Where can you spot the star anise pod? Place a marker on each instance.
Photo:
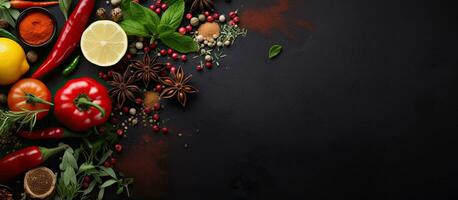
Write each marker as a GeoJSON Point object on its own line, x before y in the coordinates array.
{"type": "Point", "coordinates": [202, 5]}
{"type": "Point", "coordinates": [122, 87]}
{"type": "Point", "coordinates": [147, 69]}
{"type": "Point", "coordinates": [177, 85]}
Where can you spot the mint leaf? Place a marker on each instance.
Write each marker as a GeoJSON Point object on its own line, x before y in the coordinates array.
{"type": "Point", "coordinates": [180, 43]}
{"type": "Point", "coordinates": [174, 14]}
{"type": "Point", "coordinates": [133, 27]}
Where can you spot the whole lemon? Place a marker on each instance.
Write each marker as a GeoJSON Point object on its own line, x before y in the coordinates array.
{"type": "Point", "coordinates": [13, 63]}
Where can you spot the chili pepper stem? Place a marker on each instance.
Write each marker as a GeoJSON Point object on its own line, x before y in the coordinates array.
{"type": "Point", "coordinates": [85, 101]}
{"type": "Point", "coordinates": [48, 152]}
{"type": "Point", "coordinates": [34, 99]}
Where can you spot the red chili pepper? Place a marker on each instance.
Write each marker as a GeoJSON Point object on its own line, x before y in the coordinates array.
{"type": "Point", "coordinates": [68, 39]}
{"type": "Point", "coordinates": [48, 133]}
{"type": "Point", "coordinates": [25, 159]}
{"type": "Point", "coordinates": [19, 4]}
{"type": "Point", "coordinates": [82, 103]}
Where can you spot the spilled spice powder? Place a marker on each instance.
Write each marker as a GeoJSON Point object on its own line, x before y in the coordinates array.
{"type": "Point", "coordinates": [266, 19]}
{"type": "Point", "coordinates": [36, 28]}
{"type": "Point", "coordinates": [272, 18]}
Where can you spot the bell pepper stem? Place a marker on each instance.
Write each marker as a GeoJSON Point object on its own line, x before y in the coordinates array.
{"type": "Point", "coordinates": [87, 102]}
{"type": "Point", "coordinates": [34, 99]}
{"type": "Point", "coordinates": [48, 152]}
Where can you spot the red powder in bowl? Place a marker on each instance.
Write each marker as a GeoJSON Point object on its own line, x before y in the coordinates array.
{"type": "Point", "coordinates": [36, 28]}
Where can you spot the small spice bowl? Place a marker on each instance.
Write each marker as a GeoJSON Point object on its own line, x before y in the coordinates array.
{"type": "Point", "coordinates": [7, 193]}
{"type": "Point", "coordinates": [37, 32]}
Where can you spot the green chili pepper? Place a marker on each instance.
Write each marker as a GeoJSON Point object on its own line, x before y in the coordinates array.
{"type": "Point", "coordinates": [71, 67]}
{"type": "Point", "coordinates": [5, 33]}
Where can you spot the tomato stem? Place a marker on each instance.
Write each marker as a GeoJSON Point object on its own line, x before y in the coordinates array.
{"type": "Point", "coordinates": [31, 98]}
{"type": "Point", "coordinates": [84, 101]}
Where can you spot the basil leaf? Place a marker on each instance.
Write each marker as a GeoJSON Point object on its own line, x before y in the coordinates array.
{"type": "Point", "coordinates": [180, 43]}
{"type": "Point", "coordinates": [152, 21]}
{"type": "Point", "coordinates": [174, 14]}
{"type": "Point", "coordinates": [274, 51]}
{"type": "Point", "coordinates": [108, 183]}
{"type": "Point", "coordinates": [169, 2]}
{"type": "Point", "coordinates": [5, 33]}
{"type": "Point", "coordinates": [165, 30]}
{"type": "Point", "coordinates": [101, 193]}
{"type": "Point", "coordinates": [133, 27]}
{"type": "Point", "coordinates": [64, 6]}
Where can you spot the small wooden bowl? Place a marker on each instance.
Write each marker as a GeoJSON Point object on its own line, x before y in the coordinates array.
{"type": "Point", "coordinates": [46, 195]}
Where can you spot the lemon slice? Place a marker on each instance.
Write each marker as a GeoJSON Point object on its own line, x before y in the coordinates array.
{"type": "Point", "coordinates": [104, 43]}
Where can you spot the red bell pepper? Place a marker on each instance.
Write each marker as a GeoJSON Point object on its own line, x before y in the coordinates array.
{"type": "Point", "coordinates": [68, 39]}
{"type": "Point", "coordinates": [25, 159]}
{"type": "Point", "coordinates": [82, 103]}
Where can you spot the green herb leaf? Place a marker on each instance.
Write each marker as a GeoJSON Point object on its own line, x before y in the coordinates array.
{"type": "Point", "coordinates": [120, 190]}
{"type": "Point", "coordinates": [141, 14]}
{"type": "Point", "coordinates": [108, 172]}
{"type": "Point", "coordinates": [85, 167]}
{"type": "Point", "coordinates": [180, 43]}
{"type": "Point", "coordinates": [5, 4]}
{"type": "Point", "coordinates": [165, 30]}
{"type": "Point", "coordinates": [69, 176]}
{"type": "Point", "coordinates": [64, 6]}
{"type": "Point", "coordinates": [5, 33]}
{"type": "Point", "coordinates": [89, 188]}
{"type": "Point", "coordinates": [133, 27]}
{"type": "Point", "coordinates": [70, 159]}
{"type": "Point", "coordinates": [105, 157]}
{"type": "Point", "coordinates": [169, 2]}
{"type": "Point", "coordinates": [274, 51]}
{"type": "Point", "coordinates": [14, 13]}
{"type": "Point", "coordinates": [174, 14]}
{"type": "Point", "coordinates": [108, 183]}
{"type": "Point", "coordinates": [5, 15]}
{"type": "Point", "coordinates": [101, 193]}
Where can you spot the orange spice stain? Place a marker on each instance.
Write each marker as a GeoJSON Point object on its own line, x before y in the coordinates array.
{"type": "Point", "coordinates": [273, 18]}
{"type": "Point", "coordinates": [266, 19]}
{"type": "Point", "coordinates": [146, 162]}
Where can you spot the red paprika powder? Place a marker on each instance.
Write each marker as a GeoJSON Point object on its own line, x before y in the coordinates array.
{"type": "Point", "coordinates": [36, 28]}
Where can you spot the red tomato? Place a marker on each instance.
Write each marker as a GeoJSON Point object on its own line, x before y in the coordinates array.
{"type": "Point", "coordinates": [30, 94]}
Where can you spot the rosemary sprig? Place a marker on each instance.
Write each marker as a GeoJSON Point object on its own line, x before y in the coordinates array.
{"type": "Point", "coordinates": [9, 119]}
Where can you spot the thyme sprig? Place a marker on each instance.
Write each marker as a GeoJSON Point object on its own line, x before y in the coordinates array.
{"type": "Point", "coordinates": [231, 33]}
